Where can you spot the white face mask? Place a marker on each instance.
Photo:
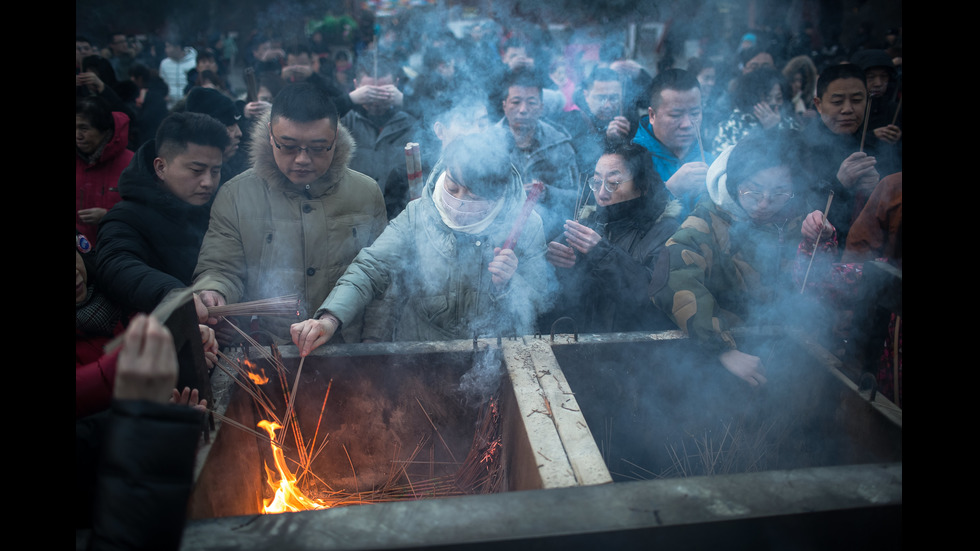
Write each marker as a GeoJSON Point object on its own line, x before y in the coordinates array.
{"type": "Point", "coordinates": [465, 212]}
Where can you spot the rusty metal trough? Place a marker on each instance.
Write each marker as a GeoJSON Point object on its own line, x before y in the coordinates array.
{"type": "Point", "coordinates": [591, 428]}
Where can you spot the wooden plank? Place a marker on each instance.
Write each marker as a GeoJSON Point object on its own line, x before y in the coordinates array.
{"type": "Point", "coordinates": [580, 447]}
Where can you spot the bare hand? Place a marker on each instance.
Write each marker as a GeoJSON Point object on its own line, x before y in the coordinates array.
{"type": "Point", "coordinates": [768, 118]}
{"type": "Point", "coordinates": [365, 95]}
{"type": "Point", "coordinates": [189, 398]}
{"type": "Point", "coordinates": [855, 167]}
{"type": "Point", "coordinates": [393, 95]}
{"type": "Point", "coordinates": [618, 128]}
{"type": "Point", "coordinates": [812, 224]}
{"type": "Point", "coordinates": [581, 238]}
{"type": "Point", "coordinates": [502, 267]}
{"type": "Point", "coordinates": [210, 343]}
{"type": "Point", "coordinates": [745, 366]}
{"type": "Point", "coordinates": [147, 364]}
{"type": "Point", "coordinates": [209, 299]}
{"type": "Point", "coordinates": [91, 216]}
{"type": "Point", "coordinates": [310, 334]}
{"type": "Point", "coordinates": [689, 178]}
{"type": "Point", "coordinates": [91, 81]}
{"type": "Point", "coordinates": [888, 134]}
{"type": "Point", "coordinates": [561, 256]}
{"type": "Point", "coordinates": [255, 109]}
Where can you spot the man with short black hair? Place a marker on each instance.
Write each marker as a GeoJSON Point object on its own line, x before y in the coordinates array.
{"type": "Point", "coordinates": [848, 160]}
{"type": "Point", "coordinates": [671, 133]}
{"type": "Point", "coordinates": [601, 119]}
{"type": "Point", "coordinates": [123, 54]}
{"type": "Point", "coordinates": [292, 222]}
{"type": "Point", "coordinates": [539, 150]}
{"type": "Point", "coordinates": [148, 242]}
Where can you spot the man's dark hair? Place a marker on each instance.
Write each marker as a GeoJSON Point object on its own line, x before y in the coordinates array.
{"type": "Point", "coordinates": [672, 79]}
{"type": "Point", "coordinates": [386, 67]}
{"type": "Point", "coordinates": [600, 74]}
{"type": "Point", "coordinates": [524, 77]}
{"type": "Point", "coordinates": [299, 47]}
{"type": "Point", "coordinates": [97, 111]}
{"type": "Point", "coordinates": [179, 129]}
{"type": "Point", "coordinates": [837, 72]}
{"type": "Point", "coordinates": [304, 102]}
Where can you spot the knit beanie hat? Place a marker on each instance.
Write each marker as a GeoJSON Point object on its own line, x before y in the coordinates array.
{"type": "Point", "coordinates": [212, 102]}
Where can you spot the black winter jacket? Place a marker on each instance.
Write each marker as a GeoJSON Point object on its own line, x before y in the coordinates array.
{"type": "Point", "coordinates": [152, 238]}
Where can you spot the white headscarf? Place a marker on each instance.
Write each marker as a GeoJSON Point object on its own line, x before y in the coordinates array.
{"type": "Point", "coordinates": [449, 214]}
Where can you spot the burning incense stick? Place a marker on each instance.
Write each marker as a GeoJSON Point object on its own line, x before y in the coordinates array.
{"type": "Point", "coordinates": [287, 305]}
{"type": "Point", "coordinates": [867, 112]}
{"type": "Point", "coordinates": [897, 109]}
{"type": "Point", "coordinates": [830, 200]}
{"type": "Point", "coordinates": [697, 131]}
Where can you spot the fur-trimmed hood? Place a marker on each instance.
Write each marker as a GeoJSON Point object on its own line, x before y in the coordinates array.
{"type": "Point", "coordinates": [264, 162]}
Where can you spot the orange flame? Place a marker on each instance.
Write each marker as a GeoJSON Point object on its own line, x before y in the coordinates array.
{"type": "Point", "coordinates": [288, 498]}
{"type": "Point", "coordinates": [259, 378]}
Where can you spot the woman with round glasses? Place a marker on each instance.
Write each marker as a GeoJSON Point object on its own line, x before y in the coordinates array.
{"type": "Point", "coordinates": [606, 261]}
{"type": "Point", "coordinates": [740, 257]}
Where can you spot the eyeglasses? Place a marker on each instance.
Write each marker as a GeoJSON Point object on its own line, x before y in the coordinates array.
{"type": "Point", "coordinates": [756, 197]}
{"type": "Point", "coordinates": [294, 150]}
{"type": "Point", "coordinates": [596, 183]}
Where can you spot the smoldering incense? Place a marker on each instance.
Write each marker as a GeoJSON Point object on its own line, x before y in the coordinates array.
{"type": "Point", "coordinates": [867, 112]}
{"type": "Point", "coordinates": [897, 110]}
{"type": "Point", "coordinates": [823, 221]}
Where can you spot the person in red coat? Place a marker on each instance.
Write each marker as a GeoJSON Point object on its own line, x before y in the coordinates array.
{"type": "Point", "coordinates": [101, 154]}
{"type": "Point", "coordinates": [97, 321]}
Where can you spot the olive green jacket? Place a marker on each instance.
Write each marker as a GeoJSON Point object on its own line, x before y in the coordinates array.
{"type": "Point", "coordinates": [268, 238]}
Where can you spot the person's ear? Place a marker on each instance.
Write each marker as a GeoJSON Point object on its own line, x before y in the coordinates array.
{"type": "Point", "coordinates": [159, 167]}
{"type": "Point", "coordinates": [439, 130]}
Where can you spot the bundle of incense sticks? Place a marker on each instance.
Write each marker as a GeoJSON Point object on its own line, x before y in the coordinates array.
{"type": "Point", "coordinates": [287, 305]}
{"type": "Point", "coordinates": [413, 165]}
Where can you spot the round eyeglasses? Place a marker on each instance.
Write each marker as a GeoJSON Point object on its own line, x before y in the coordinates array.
{"type": "Point", "coordinates": [294, 150]}
{"type": "Point", "coordinates": [756, 197]}
{"type": "Point", "coordinates": [596, 183]}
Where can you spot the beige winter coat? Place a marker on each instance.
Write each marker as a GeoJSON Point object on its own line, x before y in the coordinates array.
{"type": "Point", "coordinates": [268, 238]}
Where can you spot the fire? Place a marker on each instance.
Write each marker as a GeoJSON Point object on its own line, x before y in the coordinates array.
{"type": "Point", "coordinates": [258, 378]}
{"type": "Point", "coordinates": [288, 498]}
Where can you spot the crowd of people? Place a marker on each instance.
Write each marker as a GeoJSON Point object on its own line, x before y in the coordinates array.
{"type": "Point", "coordinates": [700, 197]}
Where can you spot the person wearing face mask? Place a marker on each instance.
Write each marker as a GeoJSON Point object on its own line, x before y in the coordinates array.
{"type": "Point", "coordinates": [441, 264]}
{"type": "Point", "coordinates": [606, 261]}
{"type": "Point", "coordinates": [741, 256]}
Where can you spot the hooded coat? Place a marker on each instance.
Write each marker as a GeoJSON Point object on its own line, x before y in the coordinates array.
{"type": "Point", "coordinates": [269, 238]}
{"type": "Point", "coordinates": [437, 280]}
{"type": "Point", "coordinates": [97, 176]}
{"type": "Point", "coordinates": [148, 242]}
{"type": "Point", "coordinates": [728, 270]}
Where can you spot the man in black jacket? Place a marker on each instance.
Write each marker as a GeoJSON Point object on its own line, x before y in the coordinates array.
{"type": "Point", "coordinates": [152, 237]}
